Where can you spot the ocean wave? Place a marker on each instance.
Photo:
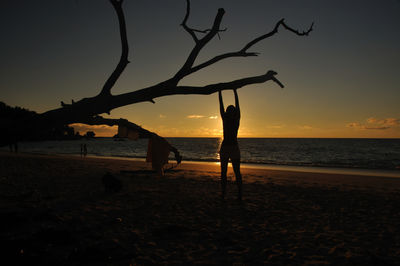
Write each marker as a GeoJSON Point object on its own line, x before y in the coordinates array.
{"type": "Point", "coordinates": [333, 153]}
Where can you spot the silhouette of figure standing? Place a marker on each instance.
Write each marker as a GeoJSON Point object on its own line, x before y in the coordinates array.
{"type": "Point", "coordinates": [230, 147]}
{"type": "Point", "coordinates": [83, 150]}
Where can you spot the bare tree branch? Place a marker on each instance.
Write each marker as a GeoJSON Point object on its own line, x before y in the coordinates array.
{"type": "Point", "coordinates": [274, 31]}
{"type": "Point", "coordinates": [236, 84]}
{"type": "Point", "coordinates": [184, 25]}
{"type": "Point", "coordinates": [161, 90]}
{"type": "Point", "coordinates": [200, 43]}
{"type": "Point", "coordinates": [243, 52]}
{"type": "Point", "coordinates": [208, 30]}
{"type": "Point", "coordinates": [87, 109]}
{"type": "Point", "coordinates": [123, 61]}
{"type": "Point", "coordinates": [192, 31]}
{"type": "Point", "coordinates": [219, 58]}
{"type": "Point", "coordinates": [188, 68]}
{"type": "Point", "coordinates": [304, 33]}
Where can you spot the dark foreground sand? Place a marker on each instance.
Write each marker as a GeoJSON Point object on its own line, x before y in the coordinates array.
{"type": "Point", "coordinates": [54, 211]}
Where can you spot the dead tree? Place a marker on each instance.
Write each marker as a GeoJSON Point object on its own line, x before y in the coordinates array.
{"type": "Point", "coordinates": [87, 110]}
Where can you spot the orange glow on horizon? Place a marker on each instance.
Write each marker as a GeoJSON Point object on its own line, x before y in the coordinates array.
{"type": "Point", "coordinates": [205, 127]}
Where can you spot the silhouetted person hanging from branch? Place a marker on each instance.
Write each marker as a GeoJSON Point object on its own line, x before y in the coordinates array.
{"type": "Point", "coordinates": [230, 147]}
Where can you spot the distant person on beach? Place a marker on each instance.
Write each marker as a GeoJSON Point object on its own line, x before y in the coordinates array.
{"type": "Point", "coordinates": [13, 144]}
{"type": "Point", "coordinates": [13, 147]}
{"type": "Point", "coordinates": [83, 150]}
{"type": "Point", "coordinates": [230, 147]}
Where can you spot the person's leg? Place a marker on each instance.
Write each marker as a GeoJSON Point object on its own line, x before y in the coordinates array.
{"type": "Point", "coordinates": [158, 168]}
{"type": "Point", "coordinates": [178, 157]}
{"type": "Point", "coordinates": [238, 175]}
{"type": "Point", "coordinates": [224, 169]}
{"type": "Point", "coordinates": [161, 171]}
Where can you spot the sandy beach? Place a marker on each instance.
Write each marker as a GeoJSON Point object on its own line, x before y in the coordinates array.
{"type": "Point", "coordinates": [55, 211]}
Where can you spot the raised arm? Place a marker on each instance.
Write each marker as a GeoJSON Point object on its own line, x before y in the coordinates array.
{"type": "Point", "coordinates": [237, 102]}
{"type": "Point", "coordinates": [221, 104]}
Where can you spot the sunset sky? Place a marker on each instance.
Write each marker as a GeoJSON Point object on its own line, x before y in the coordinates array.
{"type": "Point", "coordinates": [341, 81]}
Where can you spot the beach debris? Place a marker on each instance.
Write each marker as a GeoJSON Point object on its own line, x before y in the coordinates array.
{"type": "Point", "coordinates": [111, 183]}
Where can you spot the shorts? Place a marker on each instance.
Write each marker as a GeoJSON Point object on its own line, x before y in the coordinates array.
{"type": "Point", "coordinates": [228, 151]}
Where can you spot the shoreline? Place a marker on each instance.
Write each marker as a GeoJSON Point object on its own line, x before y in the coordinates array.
{"type": "Point", "coordinates": [306, 169]}
{"type": "Point", "coordinates": [305, 156]}
{"type": "Point", "coordinates": [260, 175]}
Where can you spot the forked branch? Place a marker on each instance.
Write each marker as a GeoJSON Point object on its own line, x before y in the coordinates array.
{"type": "Point", "coordinates": [184, 25]}
{"type": "Point", "coordinates": [243, 52]}
{"type": "Point", "coordinates": [123, 61]}
{"type": "Point", "coordinates": [200, 43]}
{"type": "Point", "coordinates": [188, 67]}
{"type": "Point", "coordinates": [192, 31]}
{"type": "Point", "coordinates": [274, 31]}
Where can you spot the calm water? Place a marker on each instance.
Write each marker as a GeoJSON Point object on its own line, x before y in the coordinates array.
{"type": "Point", "coordinates": [333, 153]}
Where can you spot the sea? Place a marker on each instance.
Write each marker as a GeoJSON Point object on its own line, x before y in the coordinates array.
{"type": "Point", "coordinates": [376, 156]}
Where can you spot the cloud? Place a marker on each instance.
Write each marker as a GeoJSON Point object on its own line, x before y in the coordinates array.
{"type": "Point", "coordinates": [391, 121]}
{"type": "Point", "coordinates": [162, 116]}
{"type": "Point", "coordinates": [354, 125]}
{"type": "Point", "coordinates": [377, 128]}
{"type": "Point", "coordinates": [306, 127]}
{"type": "Point", "coordinates": [201, 116]}
{"type": "Point", "coordinates": [375, 124]}
{"type": "Point", "coordinates": [385, 122]}
{"type": "Point", "coordinates": [371, 120]}
{"type": "Point", "coordinates": [195, 116]}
